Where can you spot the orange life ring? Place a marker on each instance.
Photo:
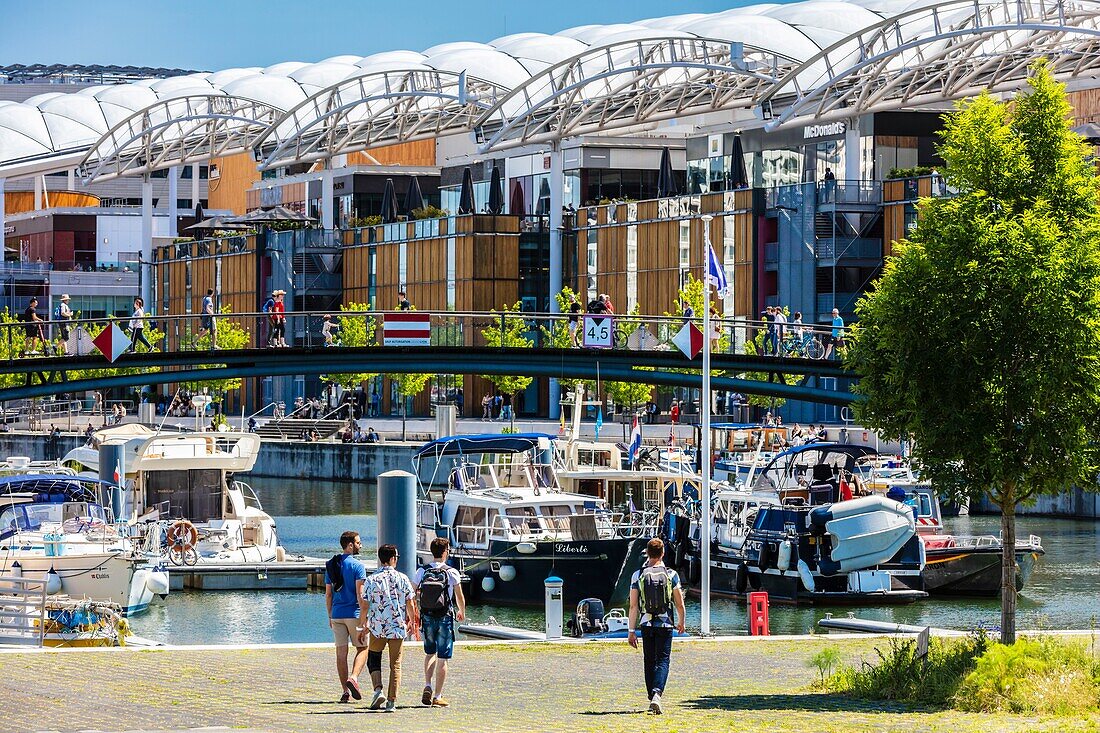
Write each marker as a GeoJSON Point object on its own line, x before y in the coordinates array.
{"type": "Point", "coordinates": [183, 535]}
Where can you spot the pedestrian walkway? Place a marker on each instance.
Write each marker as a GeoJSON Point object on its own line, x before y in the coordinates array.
{"type": "Point", "coordinates": [743, 685]}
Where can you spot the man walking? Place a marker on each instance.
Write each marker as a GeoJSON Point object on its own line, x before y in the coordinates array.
{"type": "Point", "coordinates": [403, 303]}
{"type": "Point", "coordinates": [836, 340]}
{"type": "Point", "coordinates": [391, 615]}
{"type": "Point", "coordinates": [654, 592]}
{"type": "Point", "coordinates": [344, 579]}
{"type": "Point", "coordinates": [439, 593]}
{"type": "Point", "coordinates": [63, 314]}
{"type": "Point", "coordinates": [206, 321]}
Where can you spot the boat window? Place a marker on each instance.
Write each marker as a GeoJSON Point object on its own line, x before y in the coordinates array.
{"type": "Point", "coordinates": [523, 519]}
{"type": "Point", "coordinates": [470, 524]}
{"type": "Point", "coordinates": [194, 494]}
{"type": "Point", "coordinates": [13, 519]}
{"type": "Point", "coordinates": [426, 514]}
{"type": "Point", "coordinates": [557, 517]}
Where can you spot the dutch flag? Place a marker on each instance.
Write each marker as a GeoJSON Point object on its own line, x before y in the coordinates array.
{"type": "Point", "coordinates": [635, 440]}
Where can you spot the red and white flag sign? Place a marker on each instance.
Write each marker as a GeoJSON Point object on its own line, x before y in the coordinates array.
{"type": "Point", "coordinates": [112, 342]}
{"type": "Point", "coordinates": [407, 329]}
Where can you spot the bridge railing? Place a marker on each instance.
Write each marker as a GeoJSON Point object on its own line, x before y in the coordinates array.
{"type": "Point", "coordinates": [618, 332]}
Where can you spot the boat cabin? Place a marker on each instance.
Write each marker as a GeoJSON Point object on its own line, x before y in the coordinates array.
{"type": "Point", "coordinates": [811, 473]}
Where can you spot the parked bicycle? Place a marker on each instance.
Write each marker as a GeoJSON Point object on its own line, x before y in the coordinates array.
{"type": "Point", "coordinates": [802, 347]}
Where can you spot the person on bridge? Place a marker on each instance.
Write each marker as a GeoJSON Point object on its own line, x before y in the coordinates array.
{"type": "Point", "coordinates": [33, 329]}
{"type": "Point", "coordinates": [63, 314]}
{"type": "Point", "coordinates": [327, 327]}
{"type": "Point", "coordinates": [771, 339]}
{"type": "Point", "coordinates": [596, 306]}
{"type": "Point", "coordinates": [574, 319]}
{"type": "Point", "coordinates": [268, 307]}
{"type": "Point", "coordinates": [836, 336]}
{"type": "Point", "coordinates": [403, 303]}
{"type": "Point", "coordinates": [137, 326]}
{"type": "Point", "coordinates": [278, 319]}
{"type": "Point", "coordinates": [206, 321]}
{"type": "Point", "coordinates": [607, 304]}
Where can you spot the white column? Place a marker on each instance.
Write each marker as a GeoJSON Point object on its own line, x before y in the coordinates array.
{"type": "Point", "coordinates": [173, 198]}
{"type": "Point", "coordinates": [851, 150]}
{"type": "Point", "coordinates": [147, 237]}
{"type": "Point", "coordinates": [38, 193]}
{"type": "Point", "coordinates": [326, 197]}
{"type": "Point", "coordinates": [704, 443]}
{"type": "Point", "coordinates": [195, 185]}
{"type": "Point", "coordinates": [70, 181]}
{"type": "Point", "coordinates": [557, 186]}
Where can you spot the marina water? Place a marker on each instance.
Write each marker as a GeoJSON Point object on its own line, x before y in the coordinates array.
{"type": "Point", "coordinates": [1061, 595]}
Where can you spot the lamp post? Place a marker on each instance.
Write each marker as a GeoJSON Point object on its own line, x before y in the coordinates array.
{"type": "Point", "coordinates": [704, 441]}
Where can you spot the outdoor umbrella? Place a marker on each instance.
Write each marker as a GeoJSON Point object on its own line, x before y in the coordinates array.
{"type": "Point", "coordinates": [1090, 131]}
{"type": "Point", "coordinates": [739, 177]}
{"type": "Point", "coordinates": [666, 177]}
{"type": "Point", "coordinates": [389, 203]}
{"type": "Point", "coordinates": [198, 212]}
{"type": "Point", "coordinates": [496, 193]}
{"type": "Point", "coordinates": [413, 198]}
{"type": "Point", "coordinates": [267, 216]}
{"type": "Point", "coordinates": [542, 208]}
{"type": "Point", "coordinates": [466, 203]}
{"type": "Point", "coordinates": [517, 206]}
{"type": "Point", "coordinates": [217, 222]}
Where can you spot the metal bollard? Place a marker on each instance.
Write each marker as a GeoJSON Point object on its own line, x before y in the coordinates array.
{"type": "Point", "coordinates": [397, 517]}
{"type": "Point", "coordinates": [553, 586]}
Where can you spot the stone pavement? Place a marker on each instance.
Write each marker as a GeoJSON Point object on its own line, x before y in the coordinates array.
{"type": "Point", "coordinates": [754, 685]}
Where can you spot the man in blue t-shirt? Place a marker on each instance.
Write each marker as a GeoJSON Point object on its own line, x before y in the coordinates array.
{"type": "Point", "coordinates": [656, 600]}
{"type": "Point", "coordinates": [344, 578]}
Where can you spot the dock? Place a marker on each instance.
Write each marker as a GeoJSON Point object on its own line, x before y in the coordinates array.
{"type": "Point", "coordinates": [288, 575]}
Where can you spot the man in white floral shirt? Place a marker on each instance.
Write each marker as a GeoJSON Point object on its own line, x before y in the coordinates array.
{"type": "Point", "coordinates": [391, 615]}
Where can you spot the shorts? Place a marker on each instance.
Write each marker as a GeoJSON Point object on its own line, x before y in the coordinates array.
{"type": "Point", "coordinates": [343, 631]}
{"type": "Point", "coordinates": [439, 635]}
{"type": "Point", "coordinates": [207, 322]}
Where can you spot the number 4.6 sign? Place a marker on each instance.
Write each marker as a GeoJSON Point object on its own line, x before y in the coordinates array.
{"type": "Point", "coordinates": [598, 332]}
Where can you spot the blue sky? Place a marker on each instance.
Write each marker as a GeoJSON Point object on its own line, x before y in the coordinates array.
{"type": "Point", "coordinates": [218, 34]}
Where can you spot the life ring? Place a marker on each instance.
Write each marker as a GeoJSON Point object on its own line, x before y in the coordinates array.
{"type": "Point", "coordinates": [182, 535]}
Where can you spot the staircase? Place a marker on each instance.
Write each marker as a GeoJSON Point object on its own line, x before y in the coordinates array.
{"type": "Point", "coordinates": [292, 428]}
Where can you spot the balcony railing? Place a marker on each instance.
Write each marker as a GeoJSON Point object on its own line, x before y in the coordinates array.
{"type": "Point", "coordinates": [849, 192]}
{"type": "Point", "coordinates": [861, 248]}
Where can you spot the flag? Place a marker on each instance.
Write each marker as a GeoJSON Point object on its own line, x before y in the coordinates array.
{"type": "Point", "coordinates": [635, 440]}
{"type": "Point", "coordinates": [599, 422]}
{"type": "Point", "coordinates": [716, 276]}
{"type": "Point", "coordinates": [561, 423]}
{"type": "Point", "coordinates": [118, 473]}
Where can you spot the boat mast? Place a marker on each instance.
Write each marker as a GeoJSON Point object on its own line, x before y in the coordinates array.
{"type": "Point", "coordinates": [704, 442]}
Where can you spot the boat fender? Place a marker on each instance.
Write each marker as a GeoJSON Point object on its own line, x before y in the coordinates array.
{"type": "Point", "coordinates": [488, 584]}
{"type": "Point", "coordinates": [53, 582]}
{"type": "Point", "coordinates": [507, 573]}
{"type": "Point", "coordinates": [157, 583]}
{"type": "Point", "coordinates": [828, 566]}
{"type": "Point", "coordinates": [783, 561]}
{"type": "Point", "coordinates": [754, 579]}
{"type": "Point", "coordinates": [765, 558]}
{"type": "Point", "coordinates": [817, 519]}
{"type": "Point", "coordinates": [806, 576]}
{"type": "Point", "coordinates": [695, 569]}
{"type": "Point", "coordinates": [280, 554]}
{"type": "Point", "coordinates": [741, 578]}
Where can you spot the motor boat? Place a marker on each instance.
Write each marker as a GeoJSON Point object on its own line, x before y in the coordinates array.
{"type": "Point", "coordinates": [742, 448]}
{"type": "Point", "coordinates": [61, 528]}
{"type": "Point", "coordinates": [511, 525]}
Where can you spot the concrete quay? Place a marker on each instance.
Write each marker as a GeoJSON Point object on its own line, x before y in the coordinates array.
{"type": "Point", "coordinates": [733, 684]}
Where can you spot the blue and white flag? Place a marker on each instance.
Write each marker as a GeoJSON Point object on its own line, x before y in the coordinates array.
{"type": "Point", "coordinates": [635, 440]}
{"type": "Point", "coordinates": [599, 422]}
{"type": "Point", "coordinates": [716, 275]}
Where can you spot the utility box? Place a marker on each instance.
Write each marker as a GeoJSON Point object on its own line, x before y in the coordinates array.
{"type": "Point", "coordinates": [554, 607]}
{"type": "Point", "coordinates": [445, 420]}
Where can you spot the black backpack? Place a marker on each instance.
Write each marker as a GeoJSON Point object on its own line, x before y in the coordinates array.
{"type": "Point", "coordinates": [655, 590]}
{"type": "Point", "coordinates": [435, 591]}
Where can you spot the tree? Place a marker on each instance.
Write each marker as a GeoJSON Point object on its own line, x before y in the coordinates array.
{"type": "Point", "coordinates": [355, 330]}
{"type": "Point", "coordinates": [231, 335]}
{"type": "Point", "coordinates": [508, 332]}
{"type": "Point", "coordinates": [408, 385]}
{"type": "Point", "coordinates": [981, 340]}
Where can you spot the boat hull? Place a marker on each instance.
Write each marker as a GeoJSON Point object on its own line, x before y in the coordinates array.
{"type": "Point", "coordinates": [974, 572]}
{"type": "Point", "coordinates": [589, 569]}
{"type": "Point", "coordinates": [111, 577]}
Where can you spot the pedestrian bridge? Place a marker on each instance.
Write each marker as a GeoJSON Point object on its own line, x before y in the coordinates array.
{"type": "Point", "coordinates": [464, 343]}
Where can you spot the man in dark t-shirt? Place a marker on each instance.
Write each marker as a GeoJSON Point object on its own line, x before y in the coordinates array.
{"type": "Point", "coordinates": [33, 329]}
{"type": "Point", "coordinates": [574, 318]}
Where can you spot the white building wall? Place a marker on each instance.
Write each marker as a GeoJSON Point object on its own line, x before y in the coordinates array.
{"type": "Point", "coordinates": [118, 238]}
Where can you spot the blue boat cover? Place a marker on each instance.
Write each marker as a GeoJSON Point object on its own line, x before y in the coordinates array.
{"type": "Point", "coordinates": [488, 443]}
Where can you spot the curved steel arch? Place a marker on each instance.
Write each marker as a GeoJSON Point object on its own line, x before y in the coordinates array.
{"type": "Point", "coordinates": [339, 119]}
{"type": "Point", "coordinates": [710, 75]}
{"type": "Point", "coordinates": [178, 131]}
{"type": "Point", "coordinates": [974, 45]}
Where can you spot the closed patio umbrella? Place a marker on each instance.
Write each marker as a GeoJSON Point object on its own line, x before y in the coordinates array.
{"type": "Point", "coordinates": [542, 206]}
{"type": "Point", "coordinates": [414, 199]}
{"type": "Point", "coordinates": [496, 193]}
{"type": "Point", "coordinates": [466, 203]}
{"type": "Point", "coordinates": [266, 216]}
{"type": "Point", "coordinates": [666, 177]}
{"type": "Point", "coordinates": [517, 206]}
{"type": "Point", "coordinates": [739, 177]}
{"type": "Point", "coordinates": [389, 203]}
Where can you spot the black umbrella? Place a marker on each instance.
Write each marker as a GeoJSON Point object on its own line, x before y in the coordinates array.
{"type": "Point", "coordinates": [389, 203]}
{"type": "Point", "coordinates": [666, 177]}
{"type": "Point", "coordinates": [1090, 131]}
{"type": "Point", "coordinates": [466, 203]}
{"type": "Point", "coordinates": [198, 211]}
{"type": "Point", "coordinates": [542, 207]}
{"type": "Point", "coordinates": [517, 206]}
{"type": "Point", "coordinates": [413, 198]}
{"type": "Point", "coordinates": [217, 222]}
{"type": "Point", "coordinates": [739, 177]}
{"type": "Point", "coordinates": [496, 193]}
{"type": "Point", "coordinates": [266, 216]}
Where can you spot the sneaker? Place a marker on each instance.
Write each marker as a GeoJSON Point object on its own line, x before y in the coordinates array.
{"type": "Point", "coordinates": [391, 707]}
{"type": "Point", "coordinates": [353, 687]}
{"type": "Point", "coordinates": [345, 698]}
{"type": "Point", "coordinates": [439, 702]}
{"type": "Point", "coordinates": [378, 700]}
{"type": "Point", "coordinates": [426, 698]}
{"type": "Point", "coordinates": [655, 704]}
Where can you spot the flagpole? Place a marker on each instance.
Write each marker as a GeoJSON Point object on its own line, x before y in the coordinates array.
{"type": "Point", "coordinates": [704, 442]}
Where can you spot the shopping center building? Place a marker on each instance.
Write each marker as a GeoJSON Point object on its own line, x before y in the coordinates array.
{"type": "Point", "coordinates": [806, 130]}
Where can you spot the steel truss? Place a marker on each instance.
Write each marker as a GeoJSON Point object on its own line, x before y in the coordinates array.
{"type": "Point", "coordinates": [939, 53]}
{"type": "Point", "coordinates": [377, 108]}
{"type": "Point", "coordinates": [628, 83]}
{"type": "Point", "coordinates": [189, 129]}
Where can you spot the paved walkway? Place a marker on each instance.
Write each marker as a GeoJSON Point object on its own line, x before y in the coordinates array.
{"type": "Point", "coordinates": [751, 685]}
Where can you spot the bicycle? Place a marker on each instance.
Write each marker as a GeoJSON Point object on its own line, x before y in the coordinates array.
{"type": "Point", "coordinates": [796, 346]}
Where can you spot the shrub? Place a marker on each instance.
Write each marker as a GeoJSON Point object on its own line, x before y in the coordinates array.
{"type": "Point", "coordinates": [920, 170]}
{"type": "Point", "coordinates": [358, 222]}
{"type": "Point", "coordinates": [428, 212]}
{"type": "Point", "coordinates": [824, 662]}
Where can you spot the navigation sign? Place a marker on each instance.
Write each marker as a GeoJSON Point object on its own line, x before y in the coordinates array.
{"type": "Point", "coordinates": [407, 328]}
{"type": "Point", "coordinates": [689, 340]}
{"type": "Point", "coordinates": [112, 342]}
{"type": "Point", "coordinates": [598, 332]}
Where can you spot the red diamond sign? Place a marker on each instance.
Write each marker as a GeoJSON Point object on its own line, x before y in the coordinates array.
{"type": "Point", "coordinates": [112, 342]}
{"type": "Point", "coordinates": [689, 340]}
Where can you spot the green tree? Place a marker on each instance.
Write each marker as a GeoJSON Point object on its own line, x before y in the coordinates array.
{"type": "Point", "coordinates": [355, 330]}
{"type": "Point", "coordinates": [981, 340]}
{"type": "Point", "coordinates": [230, 335]}
{"type": "Point", "coordinates": [508, 331]}
{"type": "Point", "coordinates": [408, 385]}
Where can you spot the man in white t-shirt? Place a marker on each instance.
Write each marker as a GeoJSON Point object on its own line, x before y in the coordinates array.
{"type": "Point", "coordinates": [439, 593]}
{"type": "Point", "coordinates": [656, 600]}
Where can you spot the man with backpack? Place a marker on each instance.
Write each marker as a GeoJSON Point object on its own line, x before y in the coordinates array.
{"type": "Point", "coordinates": [345, 576]}
{"type": "Point", "coordinates": [439, 593]}
{"type": "Point", "coordinates": [656, 601]}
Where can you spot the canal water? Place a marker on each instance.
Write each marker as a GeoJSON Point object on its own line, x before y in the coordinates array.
{"type": "Point", "coordinates": [311, 515]}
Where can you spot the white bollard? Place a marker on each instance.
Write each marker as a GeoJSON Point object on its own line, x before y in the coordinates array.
{"type": "Point", "coordinates": [553, 607]}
